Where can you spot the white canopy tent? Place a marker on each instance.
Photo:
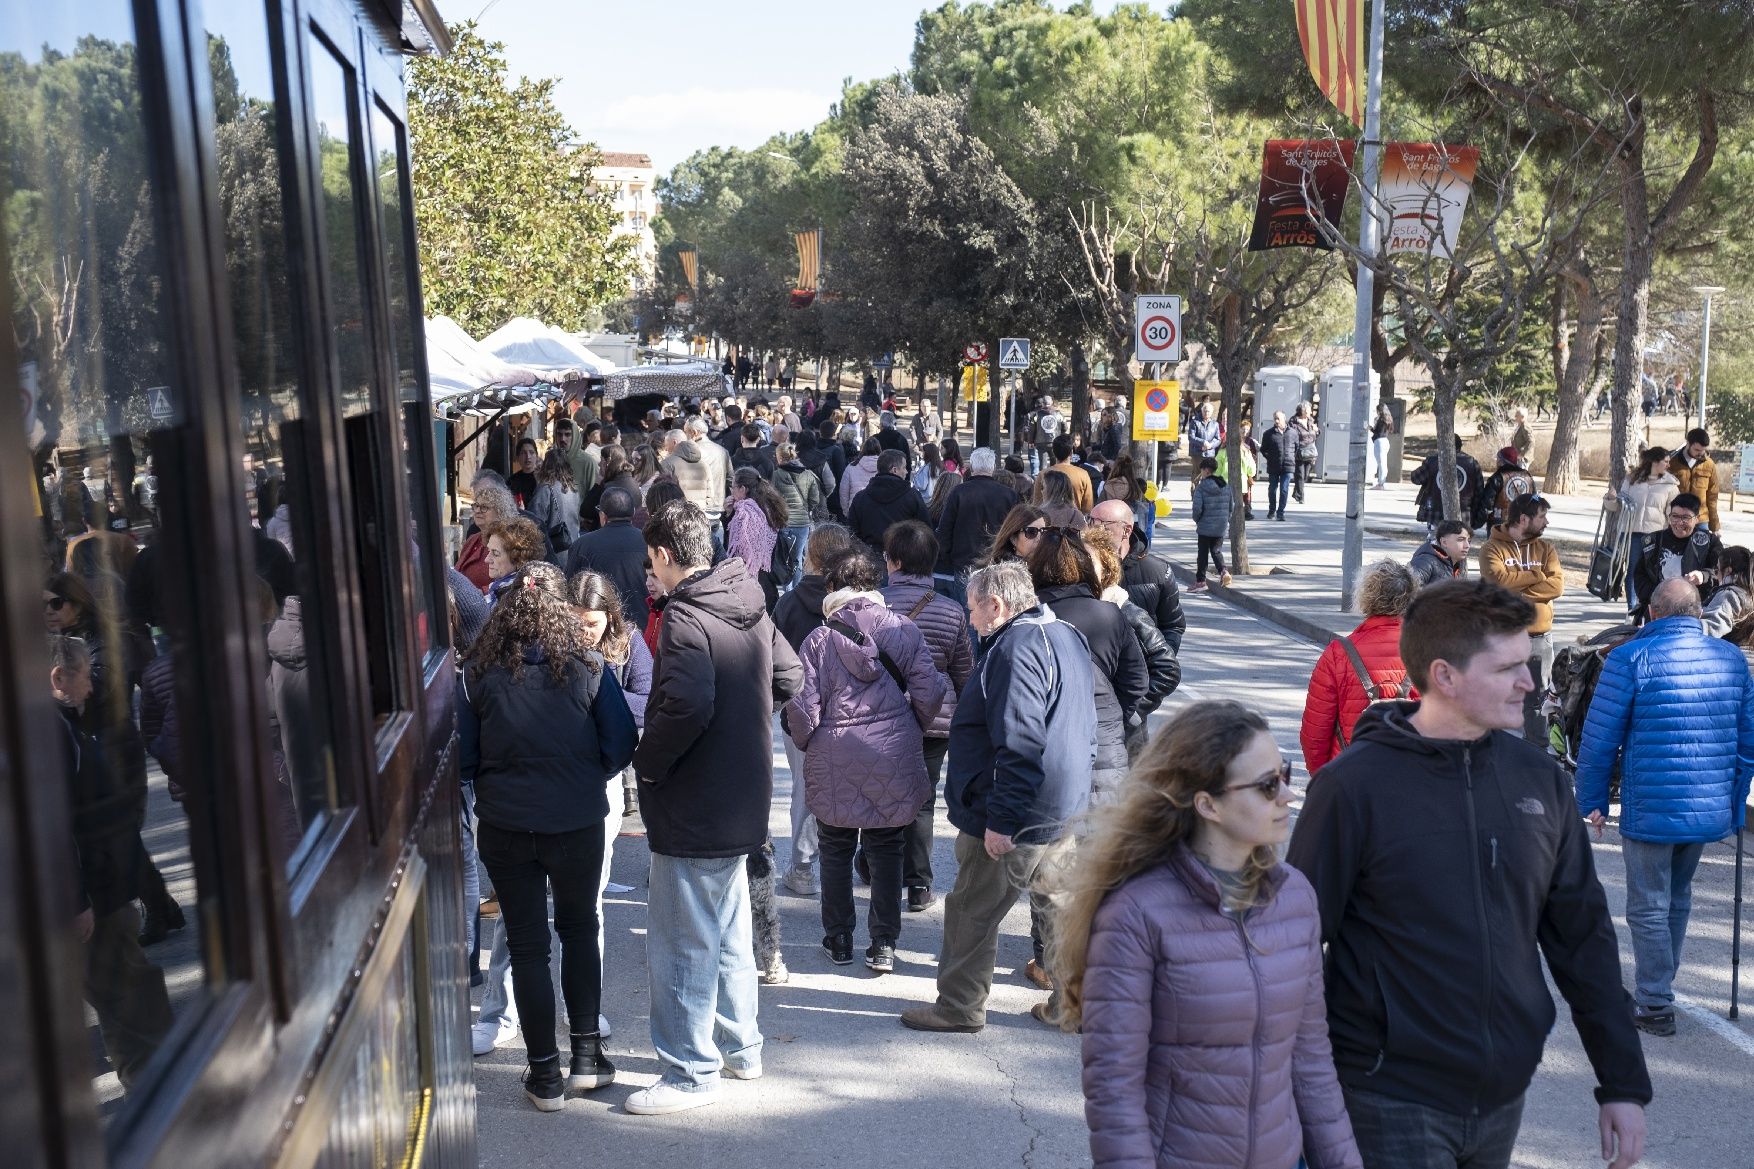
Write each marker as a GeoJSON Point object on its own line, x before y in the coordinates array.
{"type": "Point", "coordinates": [463, 374]}
{"type": "Point", "coordinates": [528, 342]}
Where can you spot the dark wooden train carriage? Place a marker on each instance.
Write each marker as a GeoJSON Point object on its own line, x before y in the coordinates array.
{"type": "Point", "coordinates": [229, 874]}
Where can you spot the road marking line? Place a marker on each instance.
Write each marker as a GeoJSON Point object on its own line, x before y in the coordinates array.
{"type": "Point", "coordinates": [1717, 1023]}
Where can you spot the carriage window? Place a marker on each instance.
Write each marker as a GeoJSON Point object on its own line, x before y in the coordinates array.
{"type": "Point", "coordinates": [106, 425]}
{"type": "Point", "coordinates": [281, 499]}
{"type": "Point", "coordinates": [389, 148]}
{"type": "Point", "coordinates": [363, 430]}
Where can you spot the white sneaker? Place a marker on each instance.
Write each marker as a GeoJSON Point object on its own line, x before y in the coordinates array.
{"type": "Point", "coordinates": [661, 1099]}
{"type": "Point", "coordinates": [485, 1037]}
{"type": "Point", "coordinates": [603, 1026]}
{"type": "Point", "coordinates": [800, 879]}
{"type": "Point", "coordinates": [752, 1072]}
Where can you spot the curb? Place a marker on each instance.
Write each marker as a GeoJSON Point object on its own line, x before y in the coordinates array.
{"type": "Point", "coordinates": [1293, 623]}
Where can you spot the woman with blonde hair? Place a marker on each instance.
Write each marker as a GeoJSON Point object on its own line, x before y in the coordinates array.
{"type": "Point", "coordinates": [1191, 959]}
{"type": "Point", "coordinates": [1360, 668]}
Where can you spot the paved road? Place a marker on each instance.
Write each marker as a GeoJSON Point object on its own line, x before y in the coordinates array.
{"type": "Point", "coordinates": [846, 1083]}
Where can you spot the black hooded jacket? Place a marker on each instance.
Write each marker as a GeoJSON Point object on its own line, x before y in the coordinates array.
{"type": "Point", "coordinates": [887, 500]}
{"type": "Point", "coordinates": [706, 758]}
{"type": "Point", "coordinates": [1445, 871]}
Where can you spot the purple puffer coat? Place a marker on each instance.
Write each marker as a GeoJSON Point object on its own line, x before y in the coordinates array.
{"type": "Point", "coordinates": [945, 626]}
{"type": "Point", "coordinates": [864, 761]}
{"type": "Point", "coordinates": [1201, 1051]}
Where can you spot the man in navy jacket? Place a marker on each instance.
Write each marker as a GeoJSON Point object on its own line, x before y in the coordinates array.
{"type": "Point", "coordinates": [1685, 762]}
{"type": "Point", "coordinates": [1021, 749]}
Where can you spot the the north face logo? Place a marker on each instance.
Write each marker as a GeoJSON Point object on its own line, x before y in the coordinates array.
{"type": "Point", "coordinates": [1531, 805]}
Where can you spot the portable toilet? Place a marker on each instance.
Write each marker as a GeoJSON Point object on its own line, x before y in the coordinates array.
{"type": "Point", "coordinates": [1280, 387]}
{"type": "Point", "coordinates": [1333, 451]}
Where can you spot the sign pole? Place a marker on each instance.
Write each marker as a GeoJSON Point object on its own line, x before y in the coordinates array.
{"type": "Point", "coordinates": [1352, 553]}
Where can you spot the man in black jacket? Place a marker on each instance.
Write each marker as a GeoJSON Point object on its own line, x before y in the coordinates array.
{"type": "Point", "coordinates": [972, 515]}
{"type": "Point", "coordinates": [1685, 549]}
{"type": "Point", "coordinates": [706, 763]}
{"type": "Point", "coordinates": [616, 550]}
{"type": "Point", "coordinates": [1279, 452]}
{"type": "Point", "coordinates": [888, 499]}
{"type": "Point", "coordinates": [1444, 852]}
{"type": "Point", "coordinates": [125, 989]}
{"type": "Point", "coordinates": [1145, 577]}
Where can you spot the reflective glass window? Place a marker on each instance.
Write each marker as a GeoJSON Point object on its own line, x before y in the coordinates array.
{"type": "Point", "coordinates": [105, 424]}
{"type": "Point", "coordinates": [390, 149]}
{"type": "Point", "coordinates": [364, 432]}
{"type": "Point", "coordinates": [277, 437]}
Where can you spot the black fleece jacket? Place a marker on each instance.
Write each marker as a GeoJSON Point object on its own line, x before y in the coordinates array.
{"type": "Point", "coordinates": [1445, 870]}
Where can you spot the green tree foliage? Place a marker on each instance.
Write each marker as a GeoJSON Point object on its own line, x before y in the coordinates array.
{"type": "Point", "coordinates": [509, 222]}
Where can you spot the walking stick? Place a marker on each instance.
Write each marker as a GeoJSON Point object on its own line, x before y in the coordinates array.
{"type": "Point", "coordinates": [1736, 930]}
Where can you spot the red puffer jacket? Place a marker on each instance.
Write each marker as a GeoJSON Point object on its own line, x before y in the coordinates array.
{"type": "Point", "coordinates": [1337, 697]}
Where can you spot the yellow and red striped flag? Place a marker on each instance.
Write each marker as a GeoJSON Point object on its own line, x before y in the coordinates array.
{"type": "Point", "coordinates": [1332, 32]}
{"type": "Point", "coordinates": [809, 259]}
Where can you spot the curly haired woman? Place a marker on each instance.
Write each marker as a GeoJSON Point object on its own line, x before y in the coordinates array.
{"type": "Point", "coordinates": [1192, 960]}
{"type": "Point", "coordinates": [542, 727]}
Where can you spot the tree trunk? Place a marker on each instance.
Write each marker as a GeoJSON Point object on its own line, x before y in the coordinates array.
{"type": "Point", "coordinates": [1560, 330]}
{"type": "Point", "coordinates": [1575, 383]}
{"type": "Point", "coordinates": [1080, 392]}
{"type": "Point", "coordinates": [1632, 312]}
{"type": "Point", "coordinates": [1445, 389]}
{"type": "Point", "coordinates": [1230, 380]}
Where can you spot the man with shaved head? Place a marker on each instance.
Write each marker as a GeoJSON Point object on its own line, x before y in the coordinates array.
{"type": "Point", "coordinates": [1145, 577]}
{"type": "Point", "coordinates": [1685, 761]}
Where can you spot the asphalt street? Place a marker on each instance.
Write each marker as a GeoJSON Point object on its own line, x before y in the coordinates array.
{"type": "Point", "coordinates": [846, 1083]}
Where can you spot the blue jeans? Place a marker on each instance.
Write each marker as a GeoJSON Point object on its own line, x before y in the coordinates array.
{"type": "Point", "coordinates": [1278, 490]}
{"type": "Point", "coordinates": [1659, 897]}
{"type": "Point", "coordinates": [471, 880]}
{"type": "Point", "coordinates": [702, 967]}
{"type": "Point", "coordinates": [800, 537]}
{"type": "Point", "coordinates": [1397, 1134]}
{"type": "Point", "coordinates": [947, 585]}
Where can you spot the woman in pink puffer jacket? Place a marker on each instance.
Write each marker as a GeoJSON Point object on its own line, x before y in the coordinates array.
{"type": "Point", "coordinates": [1192, 960]}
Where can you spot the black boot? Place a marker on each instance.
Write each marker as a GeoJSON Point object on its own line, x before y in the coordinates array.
{"type": "Point", "coordinates": [590, 1067]}
{"type": "Point", "coordinates": [545, 1086]}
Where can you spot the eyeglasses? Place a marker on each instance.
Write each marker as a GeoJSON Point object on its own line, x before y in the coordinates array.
{"type": "Point", "coordinates": [1267, 785]}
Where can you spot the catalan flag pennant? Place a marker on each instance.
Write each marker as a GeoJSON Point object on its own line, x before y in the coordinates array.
{"type": "Point", "coordinates": [1332, 32]}
{"type": "Point", "coordinates": [809, 259]}
{"type": "Point", "coordinates": [690, 258]}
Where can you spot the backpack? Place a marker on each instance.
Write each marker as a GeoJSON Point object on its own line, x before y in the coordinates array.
{"type": "Point", "coordinates": [1379, 694]}
{"type": "Point", "coordinates": [784, 564]}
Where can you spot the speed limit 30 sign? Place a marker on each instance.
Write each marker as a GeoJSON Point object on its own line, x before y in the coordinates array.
{"type": "Point", "coordinates": [1157, 328]}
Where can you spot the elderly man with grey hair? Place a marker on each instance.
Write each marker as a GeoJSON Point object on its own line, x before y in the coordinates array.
{"type": "Point", "coordinates": [1675, 709]}
{"type": "Point", "coordinates": [972, 515]}
{"type": "Point", "coordinates": [1022, 744]}
{"type": "Point", "coordinates": [703, 470]}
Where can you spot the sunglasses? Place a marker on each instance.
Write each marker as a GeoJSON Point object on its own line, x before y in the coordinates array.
{"type": "Point", "coordinates": [56, 603]}
{"type": "Point", "coordinates": [1033, 531]}
{"type": "Point", "coordinates": [1267, 785]}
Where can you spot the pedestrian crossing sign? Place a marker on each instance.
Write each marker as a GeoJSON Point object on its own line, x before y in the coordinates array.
{"type": "Point", "coordinates": [1014, 353]}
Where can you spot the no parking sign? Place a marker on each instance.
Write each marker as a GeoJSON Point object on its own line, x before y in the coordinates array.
{"type": "Point", "coordinates": [1157, 411]}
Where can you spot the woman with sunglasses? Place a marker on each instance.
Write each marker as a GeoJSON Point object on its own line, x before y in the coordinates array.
{"type": "Point", "coordinates": [1018, 535]}
{"type": "Point", "coordinates": [1191, 959]}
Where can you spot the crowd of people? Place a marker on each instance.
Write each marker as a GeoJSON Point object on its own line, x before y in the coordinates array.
{"type": "Point", "coordinates": [1009, 635]}
{"type": "Point", "coordinates": [662, 591]}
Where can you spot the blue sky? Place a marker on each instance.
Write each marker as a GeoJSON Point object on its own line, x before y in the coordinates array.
{"type": "Point", "coordinates": [671, 77]}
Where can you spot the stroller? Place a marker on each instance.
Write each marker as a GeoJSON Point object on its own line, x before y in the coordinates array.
{"type": "Point", "coordinates": [1576, 669]}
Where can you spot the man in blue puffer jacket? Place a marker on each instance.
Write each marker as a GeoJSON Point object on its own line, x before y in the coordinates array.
{"type": "Point", "coordinates": [1677, 709]}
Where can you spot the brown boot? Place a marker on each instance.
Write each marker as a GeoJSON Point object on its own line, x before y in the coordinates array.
{"type": "Point", "coordinates": [933, 1019]}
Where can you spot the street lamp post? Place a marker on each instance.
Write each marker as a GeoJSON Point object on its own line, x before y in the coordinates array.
{"type": "Point", "coordinates": [1707, 291]}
